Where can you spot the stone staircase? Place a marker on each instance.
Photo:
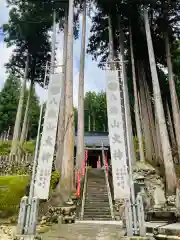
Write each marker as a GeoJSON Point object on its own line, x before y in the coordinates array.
{"type": "Point", "coordinates": [96, 200]}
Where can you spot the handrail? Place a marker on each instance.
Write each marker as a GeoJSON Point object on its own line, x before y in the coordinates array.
{"type": "Point", "coordinates": [84, 193]}
{"type": "Point", "coordinates": [108, 187]}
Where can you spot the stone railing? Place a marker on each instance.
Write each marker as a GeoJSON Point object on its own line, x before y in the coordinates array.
{"type": "Point", "coordinates": [16, 164]}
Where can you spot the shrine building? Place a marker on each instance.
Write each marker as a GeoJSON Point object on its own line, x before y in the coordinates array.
{"type": "Point", "coordinates": [94, 143]}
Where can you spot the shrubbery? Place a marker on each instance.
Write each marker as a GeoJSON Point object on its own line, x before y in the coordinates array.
{"type": "Point", "coordinates": [12, 189]}
{"type": "Point", "coordinates": [5, 147]}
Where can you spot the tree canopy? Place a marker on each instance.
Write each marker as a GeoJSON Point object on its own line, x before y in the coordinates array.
{"type": "Point", "coordinates": [9, 98]}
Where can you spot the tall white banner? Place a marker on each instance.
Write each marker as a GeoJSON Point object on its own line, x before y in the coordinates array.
{"type": "Point", "coordinates": [117, 136]}
{"type": "Point", "coordinates": [48, 140]}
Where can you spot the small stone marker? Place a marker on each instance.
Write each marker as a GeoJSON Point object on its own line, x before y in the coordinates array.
{"type": "Point", "coordinates": [159, 198]}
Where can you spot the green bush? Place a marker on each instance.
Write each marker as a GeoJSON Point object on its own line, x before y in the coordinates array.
{"type": "Point", "coordinates": [5, 148]}
{"type": "Point", "coordinates": [29, 147]}
{"type": "Point", "coordinates": [12, 189]}
{"type": "Point", "coordinates": [54, 179]}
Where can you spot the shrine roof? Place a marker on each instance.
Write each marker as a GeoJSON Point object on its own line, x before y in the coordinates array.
{"type": "Point", "coordinates": [95, 139]}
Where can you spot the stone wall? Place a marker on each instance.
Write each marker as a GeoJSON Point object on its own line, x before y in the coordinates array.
{"type": "Point", "coordinates": [16, 164]}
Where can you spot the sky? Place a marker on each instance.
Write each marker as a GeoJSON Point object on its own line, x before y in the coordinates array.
{"type": "Point", "coordinates": [94, 77]}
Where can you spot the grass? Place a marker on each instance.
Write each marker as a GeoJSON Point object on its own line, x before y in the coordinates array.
{"type": "Point", "coordinates": [12, 189]}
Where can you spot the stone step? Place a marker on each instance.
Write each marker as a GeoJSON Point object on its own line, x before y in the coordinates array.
{"type": "Point", "coordinates": [96, 201]}
{"type": "Point", "coordinates": [89, 213]}
{"type": "Point", "coordinates": [99, 199]}
{"type": "Point", "coordinates": [97, 185]}
{"type": "Point", "coordinates": [95, 207]}
{"type": "Point", "coordinates": [97, 218]}
{"type": "Point", "coordinates": [96, 190]}
{"type": "Point", "coordinates": [93, 198]}
{"type": "Point", "coordinates": [98, 194]}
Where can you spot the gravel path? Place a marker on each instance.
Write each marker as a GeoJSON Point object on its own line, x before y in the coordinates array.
{"type": "Point", "coordinates": [84, 231]}
{"type": "Point", "coordinates": [7, 232]}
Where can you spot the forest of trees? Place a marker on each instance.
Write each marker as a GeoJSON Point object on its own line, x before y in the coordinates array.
{"type": "Point", "coordinates": [95, 110]}
{"type": "Point", "coordinates": [144, 35]}
{"type": "Point", "coordinates": [9, 98]}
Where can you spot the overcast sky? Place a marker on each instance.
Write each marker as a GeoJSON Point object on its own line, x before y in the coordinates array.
{"type": "Point", "coordinates": [94, 77]}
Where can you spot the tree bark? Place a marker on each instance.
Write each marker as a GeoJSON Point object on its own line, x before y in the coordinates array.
{"type": "Point", "coordinates": [171, 130]}
{"type": "Point", "coordinates": [145, 124]}
{"type": "Point", "coordinates": [89, 122]}
{"type": "Point", "coordinates": [68, 156]}
{"type": "Point", "coordinates": [136, 105]}
{"type": "Point", "coordinates": [61, 120]}
{"type": "Point", "coordinates": [174, 103]}
{"type": "Point", "coordinates": [151, 117]}
{"type": "Point", "coordinates": [26, 115]}
{"type": "Point", "coordinates": [17, 126]}
{"type": "Point", "coordinates": [167, 154]}
{"type": "Point", "coordinates": [111, 41]}
{"type": "Point", "coordinates": [127, 105]}
{"type": "Point", "coordinates": [159, 145]}
{"type": "Point", "coordinates": [80, 130]}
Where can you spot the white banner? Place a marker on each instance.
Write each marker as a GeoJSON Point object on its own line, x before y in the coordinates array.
{"type": "Point", "coordinates": [48, 140]}
{"type": "Point", "coordinates": [116, 136]}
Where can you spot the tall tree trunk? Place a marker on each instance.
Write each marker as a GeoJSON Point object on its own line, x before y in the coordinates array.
{"type": "Point", "coordinates": [159, 145]}
{"type": "Point", "coordinates": [61, 120]}
{"type": "Point", "coordinates": [89, 122]}
{"type": "Point", "coordinates": [53, 47]}
{"type": "Point", "coordinates": [17, 126]}
{"type": "Point", "coordinates": [171, 129]}
{"type": "Point", "coordinates": [167, 154]}
{"type": "Point", "coordinates": [174, 103]}
{"type": "Point", "coordinates": [136, 105]}
{"type": "Point", "coordinates": [80, 130]}
{"type": "Point", "coordinates": [127, 105]}
{"type": "Point", "coordinates": [64, 187]}
{"type": "Point", "coordinates": [148, 118]}
{"type": "Point", "coordinates": [94, 122]}
{"type": "Point", "coordinates": [150, 114]}
{"type": "Point", "coordinates": [68, 156]}
{"type": "Point", "coordinates": [26, 115]}
{"type": "Point", "coordinates": [27, 129]}
{"type": "Point", "coordinates": [145, 124]}
{"type": "Point", "coordinates": [111, 41]}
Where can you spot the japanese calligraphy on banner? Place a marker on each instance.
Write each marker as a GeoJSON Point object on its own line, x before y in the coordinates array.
{"type": "Point", "coordinates": [116, 136]}
{"type": "Point", "coordinates": [47, 145]}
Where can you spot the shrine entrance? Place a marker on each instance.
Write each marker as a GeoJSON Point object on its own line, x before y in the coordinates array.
{"type": "Point", "coordinates": [94, 159]}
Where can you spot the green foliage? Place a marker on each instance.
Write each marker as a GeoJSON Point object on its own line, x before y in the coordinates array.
{"type": "Point", "coordinates": [33, 115]}
{"type": "Point", "coordinates": [177, 169]}
{"type": "Point", "coordinates": [12, 189]}
{"type": "Point", "coordinates": [95, 111]}
{"type": "Point", "coordinates": [54, 179]}
{"type": "Point", "coordinates": [5, 148]}
{"type": "Point", "coordinates": [21, 32]}
{"type": "Point", "coordinates": [9, 98]}
{"type": "Point", "coordinates": [75, 118]}
{"type": "Point", "coordinates": [29, 147]}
